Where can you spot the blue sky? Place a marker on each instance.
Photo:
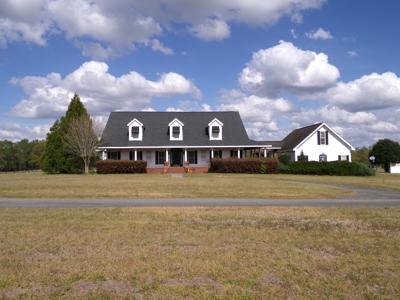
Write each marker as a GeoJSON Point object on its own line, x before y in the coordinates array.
{"type": "Point", "coordinates": [281, 63]}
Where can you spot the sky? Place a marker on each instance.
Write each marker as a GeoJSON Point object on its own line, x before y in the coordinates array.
{"type": "Point", "coordinates": [282, 64]}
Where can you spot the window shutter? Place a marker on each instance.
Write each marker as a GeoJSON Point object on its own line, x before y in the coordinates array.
{"type": "Point", "coordinates": [326, 139]}
{"type": "Point", "coordinates": [319, 137]}
{"type": "Point", "coordinates": [339, 157]}
{"type": "Point", "coordinates": [347, 158]}
{"type": "Point", "coordinates": [130, 155]}
{"type": "Point", "coordinates": [119, 155]}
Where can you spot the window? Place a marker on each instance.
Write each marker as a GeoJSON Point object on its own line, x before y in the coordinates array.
{"type": "Point", "coordinates": [343, 157]}
{"type": "Point", "coordinates": [217, 154]}
{"type": "Point", "coordinates": [176, 131]}
{"type": "Point", "coordinates": [135, 132]}
{"type": "Point", "coordinates": [322, 137]}
{"type": "Point", "coordinates": [323, 157]}
{"type": "Point", "coordinates": [139, 155]}
{"type": "Point", "coordinates": [234, 153]}
{"type": "Point", "coordinates": [302, 157]}
{"type": "Point", "coordinates": [215, 131]}
{"type": "Point", "coordinates": [192, 157]}
{"type": "Point", "coordinates": [116, 155]}
{"type": "Point", "coordinates": [160, 157]}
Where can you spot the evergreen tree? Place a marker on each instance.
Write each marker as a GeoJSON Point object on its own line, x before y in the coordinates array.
{"type": "Point", "coordinates": [57, 157]}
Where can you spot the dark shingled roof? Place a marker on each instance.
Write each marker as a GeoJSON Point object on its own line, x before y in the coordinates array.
{"type": "Point", "coordinates": [297, 136]}
{"type": "Point", "coordinates": [156, 129]}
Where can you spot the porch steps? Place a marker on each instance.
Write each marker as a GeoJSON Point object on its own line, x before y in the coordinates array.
{"type": "Point", "coordinates": [176, 170]}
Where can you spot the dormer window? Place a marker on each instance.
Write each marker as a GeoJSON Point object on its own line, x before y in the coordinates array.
{"type": "Point", "coordinates": [135, 130]}
{"type": "Point", "coordinates": [322, 137]}
{"type": "Point", "coordinates": [215, 129]}
{"type": "Point", "coordinates": [176, 130]}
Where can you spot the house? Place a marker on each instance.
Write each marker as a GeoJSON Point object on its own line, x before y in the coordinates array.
{"type": "Point", "coordinates": [176, 139]}
{"type": "Point", "coordinates": [395, 168]}
{"type": "Point", "coordinates": [317, 142]}
{"type": "Point", "coordinates": [172, 140]}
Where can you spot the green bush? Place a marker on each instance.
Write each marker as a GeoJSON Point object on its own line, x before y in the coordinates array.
{"type": "Point", "coordinates": [340, 168]}
{"type": "Point", "coordinates": [244, 165]}
{"type": "Point", "coordinates": [110, 166]}
{"type": "Point", "coordinates": [284, 158]}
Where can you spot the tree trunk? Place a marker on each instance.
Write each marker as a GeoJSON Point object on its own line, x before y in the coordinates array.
{"type": "Point", "coordinates": [86, 166]}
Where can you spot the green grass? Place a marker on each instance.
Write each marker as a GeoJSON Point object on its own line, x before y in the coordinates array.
{"type": "Point", "coordinates": [39, 185]}
{"type": "Point", "coordinates": [200, 253]}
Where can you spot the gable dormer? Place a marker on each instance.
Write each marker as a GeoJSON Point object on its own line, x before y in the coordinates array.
{"type": "Point", "coordinates": [135, 128]}
{"type": "Point", "coordinates": [215, 130]}
{"type": "Point", "coordinates": [175, 130]}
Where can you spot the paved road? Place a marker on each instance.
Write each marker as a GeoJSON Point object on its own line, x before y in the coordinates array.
{"type": "Point", "coordinates": [363, 198]}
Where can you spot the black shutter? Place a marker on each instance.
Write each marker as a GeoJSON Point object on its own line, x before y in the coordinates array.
{"type": "Point", "coordinates": [347, 158]}
{"type": "Point", "coordinates": [119, 155]}
{"type": "Point", "coordinates": [130, 155]}
{"type": "Point", "coordinates": [319, 137]}
{"type": "Point", "coordinates": [339, 157]}
{"type": "Point", "coordinates": [326, 138]}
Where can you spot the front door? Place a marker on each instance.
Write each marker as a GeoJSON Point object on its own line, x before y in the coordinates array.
{"type": "Point", "coordinates": [176, 157]}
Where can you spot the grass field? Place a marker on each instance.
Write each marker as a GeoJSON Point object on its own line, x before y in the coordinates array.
{"type": "Point", "coordinates": [200, 253]}
{"type": "Point", "coordinates": [37, 184]}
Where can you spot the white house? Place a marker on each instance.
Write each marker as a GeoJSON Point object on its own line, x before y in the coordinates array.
{"type": "Point", "coordinates": [316, 142]}
{"type": "Point", "coordinates": [395, 168]}
{"type": "Point", "coordinates": [172, 140]}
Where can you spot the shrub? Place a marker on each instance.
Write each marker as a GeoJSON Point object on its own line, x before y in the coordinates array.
{"type": "Point", "coordinates": [284, 158]}
{"type": "Point", "coordinates": [121, 166]}
{"type": "Point", "coordinates": [341, 168]}
{"type": "Point", "coordinates": [244, 165]}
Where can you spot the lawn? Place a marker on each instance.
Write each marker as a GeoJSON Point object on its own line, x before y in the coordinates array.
{"type": "Point", "coordinates": [37, 184]}
{"type": "Point", "coordinates": [200, 253]}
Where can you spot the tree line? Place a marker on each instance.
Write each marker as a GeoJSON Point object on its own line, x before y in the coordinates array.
{"type": "Point", "coordinates": [70, 146]}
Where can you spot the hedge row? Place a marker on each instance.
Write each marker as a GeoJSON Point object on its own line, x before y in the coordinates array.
{"type": "Point", "coordinates": [245, 165]}
{"type": "Point", "coordinates": [340, 168]}
{"type": "Point", "coordinates": [110, 166]}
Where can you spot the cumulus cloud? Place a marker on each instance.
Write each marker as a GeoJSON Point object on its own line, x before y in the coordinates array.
{"type": "Point", "coordinates": [373, 91]}
{"type": "Point", "coordinates": [102, 92]}
{"type": "Point", "coordinates": [319, 34]}
{"type": "Point", "coordinates": [285, 67]}
{"type": "Point", "coordinates": [14, 132]}
{"type": "Point", "coordinates": [211, 29]}
{"type": "Point", "coordinates": [119, 25]}
{"type": "Point", "coordinates": [158, 46]}
{"type": "Point", "coordinates": [258, 113]}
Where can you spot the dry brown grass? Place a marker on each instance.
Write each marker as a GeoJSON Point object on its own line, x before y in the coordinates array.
{"type": "Point", "coordinates": [200, 253]}
{"type": "Point", "coordinates": [39, 185]}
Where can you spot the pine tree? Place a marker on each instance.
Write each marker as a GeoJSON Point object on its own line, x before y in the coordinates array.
{"type": "Point", "coordinates": [57, 157]}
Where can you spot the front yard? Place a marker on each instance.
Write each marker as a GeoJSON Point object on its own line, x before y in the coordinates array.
{"type": "Point", "coordinates": [39, 185]}
{"type": "Point", "coordinates": [200, 253]}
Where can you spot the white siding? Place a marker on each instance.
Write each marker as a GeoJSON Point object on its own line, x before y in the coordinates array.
{"type": "Point", "coordinates": [395, 169]}
{"type": "Point", "coordinates": [334, 148]}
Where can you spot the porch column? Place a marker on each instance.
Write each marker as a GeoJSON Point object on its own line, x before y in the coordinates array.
{"type": "Point", "coordinates": [135, 157]}
{"type": "Point", "coordinates": [265, 153]}
{"type": "Point", "coordinates": [212, 153]}
{"type": "Point", "coordinates": [104, 155]}
{"type": "Point", "coordinates": [166, 155]}
{"type": "Point", "coordinates": [238, 153]}
{"type": "Point", "coordinates": [185, 160]}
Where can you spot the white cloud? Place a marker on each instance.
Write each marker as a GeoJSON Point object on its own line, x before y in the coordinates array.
{"type": "Point", "coordinates": [95, 25]}
{"type": "Point", "coordinates": [156, 45]}
{"type": "Point", "coordinates": [15, 132]}
{"type": "Point", "coordinates": [285, 67]}
{"type": "Point", "coordinates": [211, 29]}
{"type": "Point", "coordinates": [352, 53]}
{"type": "Point", "coordinates": [102, 92]}
{"type": "Point", "coordinates": [293, 33]}
{"type": "Point", "coordinates": [258, 113]}
{"type": "Point", "coordinates": [373, 91]}
{"type": "Point", "coordinates": [319, 34]}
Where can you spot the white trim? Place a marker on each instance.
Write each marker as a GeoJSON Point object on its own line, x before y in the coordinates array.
{"type": "Point", "coordinates": [134, 121]}
{"type": "Point", "coordinates": [185, 146]}
{"type": "Point", "coordinates": [215, 121]}
{"type": "Point", "coordinates": [175, 120]}
{"type": "Point", "coordinates": [329, 129]}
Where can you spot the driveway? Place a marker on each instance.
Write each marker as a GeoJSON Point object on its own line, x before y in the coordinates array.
{"type": "Point", "coordinates": [363, 198]}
